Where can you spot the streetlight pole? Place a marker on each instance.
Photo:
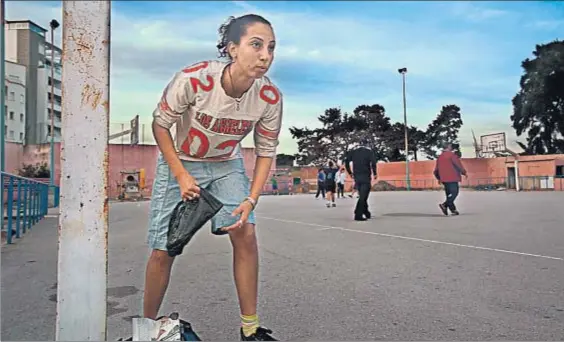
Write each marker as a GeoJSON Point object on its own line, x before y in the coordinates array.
{"type": "Point", "coordinates": [403, 71]}
{"type": "Point", "coordinates": [53, 24]}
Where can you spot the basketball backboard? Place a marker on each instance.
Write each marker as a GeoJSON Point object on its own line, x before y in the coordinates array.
{"type": "Point", "coordinates": [492, 143]}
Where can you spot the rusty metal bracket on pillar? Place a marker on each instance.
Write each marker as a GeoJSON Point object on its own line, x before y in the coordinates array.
{"type": "Point", "coordinates": [83, 221]}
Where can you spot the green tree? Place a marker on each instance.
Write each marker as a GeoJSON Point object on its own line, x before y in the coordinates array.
{"type": "Point", "coordinates": [331, 141]}
{"type": "Point", "coordinates": [374, 126]}
{"type": "Point", "coordinates": [443, 129]}
{"type": "Point", "coordinates": [538, 108]}
{"type": "Point", "coordinates": [312, 149]}
{"type": "Point", "coordinates": [342, 131]}
{"type": "Point", "coordinates": [348, 134]}
{"type": "Point", "coordinates": [396, 141]}
{"type": "Point", "coordinates": [334, 135]}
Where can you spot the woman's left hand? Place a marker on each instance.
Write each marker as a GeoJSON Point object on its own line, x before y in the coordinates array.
{"type": "Point", "coordinates": [244, 209]}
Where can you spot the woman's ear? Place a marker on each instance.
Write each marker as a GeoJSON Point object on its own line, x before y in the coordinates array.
{"type": "Point", "coordinates": [232, 49]}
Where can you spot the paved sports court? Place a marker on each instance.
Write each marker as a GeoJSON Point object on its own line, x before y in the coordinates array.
{"type": "Point", "coordinates": [494, 273]}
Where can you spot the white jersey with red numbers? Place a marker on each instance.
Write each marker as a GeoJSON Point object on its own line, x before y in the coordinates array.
{"type": "Point", "coordinates": [209, 123]}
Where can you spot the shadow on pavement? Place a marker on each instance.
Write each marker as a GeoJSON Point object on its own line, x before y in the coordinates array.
{"type": "Point", "coordinates": [413, 215]}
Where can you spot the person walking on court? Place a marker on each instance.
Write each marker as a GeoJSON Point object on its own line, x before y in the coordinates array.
{"type": "Point", "coordinates": [364, 168]}
{"type": "Point", "coordinates": [448, 171]}
{"type": "Point", "coordinates": [330, 183]}
{"type": "Point", "coordinates": [213, 105]}
{"type": "Point", "coordinates": [341, 178]}
{"type": "Point", "coordinates": [274, 185]}
{"type": "Point", "coordinates": [320, 183]}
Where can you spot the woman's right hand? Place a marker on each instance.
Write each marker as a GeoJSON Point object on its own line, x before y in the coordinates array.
{"type": "Point", "coordinates": [189, 188]}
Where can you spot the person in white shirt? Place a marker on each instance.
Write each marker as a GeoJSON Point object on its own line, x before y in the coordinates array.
{"type": "Point", "coordinates": [341, 178]}
{"type": "Point", "coordinates": [212, 106]}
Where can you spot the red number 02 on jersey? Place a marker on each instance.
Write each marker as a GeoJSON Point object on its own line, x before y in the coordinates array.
{"type": "Point", "coordinates": [193, 133]}
{"type": "Point", "coordinates": [204, 147]}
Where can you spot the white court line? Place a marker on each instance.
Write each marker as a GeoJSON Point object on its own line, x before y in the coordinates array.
{"type": "Point", "coordinates": [411, 238]}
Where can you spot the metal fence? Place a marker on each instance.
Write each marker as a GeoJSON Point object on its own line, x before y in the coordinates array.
{"type": "Point", "coordinates": [24, 202]}
{"type": "Point", "coordinates": [539, 183]}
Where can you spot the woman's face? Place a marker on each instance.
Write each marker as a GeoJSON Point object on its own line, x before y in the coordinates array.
{"type": "Point", "coordinates": [255, 52]}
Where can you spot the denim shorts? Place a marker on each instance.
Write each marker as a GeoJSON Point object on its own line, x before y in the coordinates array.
{"type": "Point", "coordinates": [226, 180]}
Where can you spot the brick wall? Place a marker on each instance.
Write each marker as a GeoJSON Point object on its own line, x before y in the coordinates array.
{"type": "Point", "coordinates": [121, 158]}
{"type": "Point", "coordinates": [480, 171]}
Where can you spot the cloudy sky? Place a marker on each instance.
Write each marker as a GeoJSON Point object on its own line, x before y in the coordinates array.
{"type": "Point", "coordinates": [333, 54]}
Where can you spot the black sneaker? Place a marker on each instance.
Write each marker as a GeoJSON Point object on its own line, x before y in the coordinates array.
{"type": "Point", "coordinates": [262, 334]}
{"type": "Point", "coordinates": [443, 208]}
{"type": "Point", "coordinates": [454, 212]}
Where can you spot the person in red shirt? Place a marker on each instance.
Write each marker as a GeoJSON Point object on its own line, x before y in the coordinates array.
{"type": "Point", "coordinates": [448, 170]}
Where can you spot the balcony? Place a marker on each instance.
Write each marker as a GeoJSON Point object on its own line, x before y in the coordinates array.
{"type": "Point", "coordinates": [57, 107]}
{"type": "Point", "coordinates": [57, 122]}
{"type": "Point", "coordinates": [57, 74]}
{"type": "Point", "coordinates": [58, 91]}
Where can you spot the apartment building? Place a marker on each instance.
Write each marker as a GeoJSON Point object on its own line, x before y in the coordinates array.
{"type": "Point", "coordinates": [15, 105]}
{"type": "Point", "coordinates": [26, 44]}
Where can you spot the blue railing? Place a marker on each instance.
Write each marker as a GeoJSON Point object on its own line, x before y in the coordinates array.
{"type": "Point", "coordinates": [24, 202]}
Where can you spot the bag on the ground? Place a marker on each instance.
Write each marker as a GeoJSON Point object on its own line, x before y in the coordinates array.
{"type": "Point", "coordinates": [187, 218]}
{"type": "Point", "coordinates": [164, 328]}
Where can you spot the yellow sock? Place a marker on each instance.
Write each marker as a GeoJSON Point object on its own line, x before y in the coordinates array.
{"type": "Point", "coordinates": [249, 324]}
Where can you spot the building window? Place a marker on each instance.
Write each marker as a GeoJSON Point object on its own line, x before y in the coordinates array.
{"type": "Point", "coordinates": [21, 117]}
{"type": "Point", "coordinates": [21, 136]}
{"type": "Point", "coordinates": [12, 96]}
{"type": "Point", "coordinates": [22, 98]}
{"type": "Point", "coordinates": [11, 115]}
{"type": "Point", "coordinates": [11, 135]}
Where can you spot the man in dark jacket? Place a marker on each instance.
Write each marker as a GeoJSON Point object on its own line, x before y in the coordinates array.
{"type": "Point", "coordinates": [364, 167]}
{"type": "Point", "coordinates": [448, 170]}
{"type": "Point", "coordinates": [320, 183]}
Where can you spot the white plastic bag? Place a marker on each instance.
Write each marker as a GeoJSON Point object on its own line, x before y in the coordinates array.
{"type": "Point", "coordinates": [163, 329]}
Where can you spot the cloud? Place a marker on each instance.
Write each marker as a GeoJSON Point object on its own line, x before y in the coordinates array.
{"type": "Point", "coordinates": [546, 24]}
{"type": "Point", "coordinates": [325, 59]}
{"type": "Point", "coordinates": [475, 12]}
{"type": "Point", "coordinates": [157, 42]}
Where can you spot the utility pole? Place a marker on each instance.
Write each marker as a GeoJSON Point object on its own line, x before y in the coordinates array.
{"type": "Point", "coordinates": [403, 71]}
{"type": "Point", "coordinates": [82, 272]}
{"type": "Point", "coordinates": [53, 24]}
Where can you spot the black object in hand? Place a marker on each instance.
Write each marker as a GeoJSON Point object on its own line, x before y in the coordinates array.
{"type": "Point", "coordinates": [187, 218]}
